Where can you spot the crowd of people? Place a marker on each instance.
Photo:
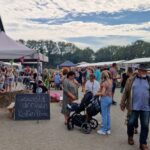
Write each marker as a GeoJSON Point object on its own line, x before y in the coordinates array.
{"type": "Point", "coordinates": [99, 81]}
{"type": "Point", "coordinates": [102, 82]}
{"type": "Point", "coordinates": [135, 89]}
{"type": "Point", "coordinates": [8, 79]}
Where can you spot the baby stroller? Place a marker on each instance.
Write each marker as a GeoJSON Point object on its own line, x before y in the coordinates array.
{"type": "Point", "coordinates": [90, 106]}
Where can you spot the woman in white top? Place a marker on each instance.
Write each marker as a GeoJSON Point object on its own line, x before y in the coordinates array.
{"type": "Point", "coordinates": [92, 85]}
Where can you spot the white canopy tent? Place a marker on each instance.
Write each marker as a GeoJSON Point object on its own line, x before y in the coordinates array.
{"type": "Point", "coordinates": [138, 61]}
{"type": "Point", "coordinates": [10, 49]}
{"type": "Point", "coordinates": [100, 64]}
{"type": "Point", "coordinates": [82, 63]}
{"type": "Point", "coordinates": [12, 64]}
{"type": "Point", "coordinates": [37, 56]}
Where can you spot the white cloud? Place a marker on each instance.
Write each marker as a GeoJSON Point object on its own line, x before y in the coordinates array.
{"type": "Point", "coordinates": [16, 9]}
{"type": "Point", "coordinates": [102, 5]}
{"type": "Point", "coordinates": [78, 29]}
{"type": "Point", "coordinates": [15, 12]}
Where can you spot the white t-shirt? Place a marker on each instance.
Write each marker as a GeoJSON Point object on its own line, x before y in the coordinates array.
{"type": "Point", "coordinates": [93, 87]}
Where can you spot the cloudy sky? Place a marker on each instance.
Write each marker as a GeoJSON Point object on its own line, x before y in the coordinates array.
{"type": "Point", "coordinates": [94, 23]}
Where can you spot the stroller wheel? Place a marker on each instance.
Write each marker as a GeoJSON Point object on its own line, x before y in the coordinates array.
{"type": "Point", "coordinates": [93, 123]}
{"type": "Point", "coordinates": [86, 128]}
{"type": "Point", "coordinates": [70, 124]}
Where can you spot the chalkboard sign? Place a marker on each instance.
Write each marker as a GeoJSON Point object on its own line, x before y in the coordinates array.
{"type": "Point", "coordinates": [32, 107]}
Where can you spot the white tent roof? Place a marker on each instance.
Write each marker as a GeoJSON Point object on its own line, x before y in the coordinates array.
{"type": "Point", "coordinates": [9, 64]}
{"type": "Point", "coordinates": [37, 56]}
{"type": "Point", "coordinates": [101, 63]}
{"type": "Point", "coordinates": [138, 60]}
{"type": "Point", "coordinates": [82, 63]}
{"type": "Point", "coordinates": [10, 49]}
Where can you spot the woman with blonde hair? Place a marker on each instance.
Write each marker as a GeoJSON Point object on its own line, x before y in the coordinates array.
{"type": "Point", "coordinates": [106, 101]}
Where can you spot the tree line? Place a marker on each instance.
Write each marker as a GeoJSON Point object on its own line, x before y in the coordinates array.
{"type": "Point", "coordinates": [61, 51]}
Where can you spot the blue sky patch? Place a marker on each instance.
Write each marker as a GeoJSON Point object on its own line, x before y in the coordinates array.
{"type": "Point", "coordinates": [123, 17]}
{"type": "Point", "coordinates": [99, 42]}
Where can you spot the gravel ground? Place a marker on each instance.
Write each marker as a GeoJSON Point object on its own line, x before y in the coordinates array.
{"type": "Point", "coordinates": [53, 135]}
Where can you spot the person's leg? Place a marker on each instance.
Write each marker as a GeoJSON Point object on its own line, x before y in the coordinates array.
{"type": "Point", "coordinates": [57, 86]}
{"type": "Point", "coordinates": [136, 126]}
{"type": "Point", "coordinates": [121, 89]}
{"type": "Point", "coordinates": [66, 118]}
{"type": "Point", "coordinates": [113, 93]}
{"type": "Point", "coordinates": [104, 109]}
{"type": "Point", "coordinates": [136, 123]}
{"type": "Point", "coordinates": [130, 126]}
{"type": "Point", "coordinates": [83, 84]}
{"type": "Point", "coordinates": [109, 117]}
{"type": "Point", "coordinates": [144, 119]}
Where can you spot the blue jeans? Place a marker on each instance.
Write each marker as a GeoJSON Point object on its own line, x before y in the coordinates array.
{"type": "Point", "coordinates": [106, 102]}
{"type": "Point", "coordinates": [144, 119]}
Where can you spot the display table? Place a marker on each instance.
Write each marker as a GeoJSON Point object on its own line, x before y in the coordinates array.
{"type": "Point", "coordinates": [7, 98]}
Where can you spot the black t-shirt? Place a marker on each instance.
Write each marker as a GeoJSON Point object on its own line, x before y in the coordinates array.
{"type": "Point", "coordinates": [125, 78]}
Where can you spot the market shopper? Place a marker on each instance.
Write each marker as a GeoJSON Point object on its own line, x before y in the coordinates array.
{"type": "Point", "coordinates": [92, 85]}
{"type": "Point", "coordinates": [70, 93]}
{"type": "Point", "coordinates": [106, 101]}
{"type": "Point", "coordinates": [114, 74]}
{"type": "Point", "coordinates": [136, 98]}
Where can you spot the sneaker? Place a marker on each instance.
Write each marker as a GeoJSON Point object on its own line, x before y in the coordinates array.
{"type": "Point", "coordinates": [108, 132]}
{"type": "Point", "coordinates": [101, 132]}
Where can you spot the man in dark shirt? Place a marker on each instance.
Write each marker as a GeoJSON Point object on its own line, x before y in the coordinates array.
{"type": "Point", "coordinates": [136, 98]}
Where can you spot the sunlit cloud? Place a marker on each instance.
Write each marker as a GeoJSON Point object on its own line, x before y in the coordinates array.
{"type": "Point", "coordinates": [67, 20]}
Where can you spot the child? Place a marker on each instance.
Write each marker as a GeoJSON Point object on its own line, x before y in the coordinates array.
{"type": "Point", "coordinates": [41, 88]}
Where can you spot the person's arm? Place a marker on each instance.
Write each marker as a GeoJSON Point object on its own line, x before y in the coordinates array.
{"type": "Point", "coordinates": [102, 91]}
{"type": "Point", "coordinates": [66, 90]}
{"type": "Point", "coordinates": [87, 86]}
{"type": "Point", "coordinates": [98, 87]}
{"type": "Point", "coordinates": [125, 96]}
{"type": "Point", "coordinates": [76, 83]}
